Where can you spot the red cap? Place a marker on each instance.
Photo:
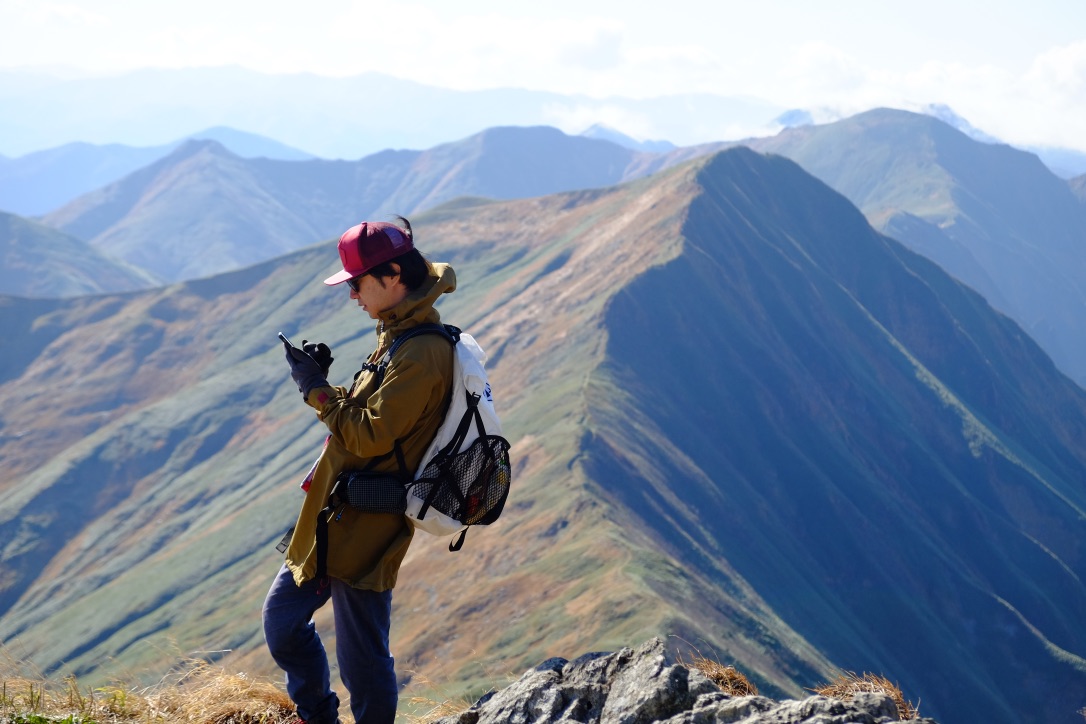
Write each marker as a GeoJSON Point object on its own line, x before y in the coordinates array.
{"type": "Point", "coordinates": [366, 245]}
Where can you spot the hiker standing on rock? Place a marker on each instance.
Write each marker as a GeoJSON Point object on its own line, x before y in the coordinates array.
{"type": "Point", "coordinates": [396, 286]}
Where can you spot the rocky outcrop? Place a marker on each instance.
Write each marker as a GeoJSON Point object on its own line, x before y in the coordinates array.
{"type": "Point", "coordinates": [647, 685]}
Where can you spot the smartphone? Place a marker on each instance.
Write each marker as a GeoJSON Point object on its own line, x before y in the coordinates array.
{"type": "Point", "coordinates": [286, 341]}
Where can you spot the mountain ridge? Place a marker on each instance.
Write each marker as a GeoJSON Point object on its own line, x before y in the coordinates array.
{"type": "Point", "coordinates": [991, 215]}
{"type": "Point", "coordinates": [740, 416]}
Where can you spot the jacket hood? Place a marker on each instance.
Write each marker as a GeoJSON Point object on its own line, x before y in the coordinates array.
{"type": "Point", "coordinates": [418, 306]}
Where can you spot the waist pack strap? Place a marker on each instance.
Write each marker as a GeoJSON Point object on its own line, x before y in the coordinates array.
{"type": "Point", "coordinates": [322, 541]}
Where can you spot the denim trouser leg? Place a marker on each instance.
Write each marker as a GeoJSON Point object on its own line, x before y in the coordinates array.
{"type": "Point", "coordinates": [365, 664]}
{"type": "Point", "coordinates": [296, 647]}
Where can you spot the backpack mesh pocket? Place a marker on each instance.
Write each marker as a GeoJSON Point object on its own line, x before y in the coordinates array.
{"type": "Point", "coordinates": [471, 486]}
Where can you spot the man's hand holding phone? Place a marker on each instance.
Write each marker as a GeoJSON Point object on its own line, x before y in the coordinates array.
{"type": "Point", "coordinates": [307, 372]}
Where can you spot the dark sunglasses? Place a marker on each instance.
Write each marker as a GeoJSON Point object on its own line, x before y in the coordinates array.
{"type": "Point", "coordinates": [353, 282]}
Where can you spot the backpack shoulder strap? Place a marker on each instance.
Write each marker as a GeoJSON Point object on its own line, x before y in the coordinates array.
{"type": "Point", "coordinates": [449, 332]}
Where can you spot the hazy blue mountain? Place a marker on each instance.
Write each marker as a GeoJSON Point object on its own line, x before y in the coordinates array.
{"type": "Point", "coordinates": [605, 133]}
{"type": "Point", "coordinates": [331, 117]}
{"type": "Point", "coordinates": [37, 261]}
{"type": "Point", "coordinates": [794, 117]}
{"type": "Point", "coordinates": [1078, 186]}
{"type": "Point", "coordinates": [740, 417]}
{"type": "Point", "coordinates": [991, 215]}
{"type": "Point", "coordinates": [203, 210]}
{"type": "Point", "coordinates": [40, 182]}
{"type": "Point", "coordinates": [1063, 162]}
{"type": "Point", "coordinates": [195, 212]}
{"type": "Point", "coordinates": [250, 145]}
{"type": "Point", "coordinates": [947, 115]}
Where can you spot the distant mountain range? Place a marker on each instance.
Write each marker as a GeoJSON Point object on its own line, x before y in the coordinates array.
{"type": "Point", "coordinates": [992, 216]}
{"type": "Point", "coordinates": [202, 210]}
{"type": "Point", "coordinates": [40, 182]}
{"type": "Point", "coordinates": [604, 133]}
{"type": "Point", "coordinates": [741, 418]}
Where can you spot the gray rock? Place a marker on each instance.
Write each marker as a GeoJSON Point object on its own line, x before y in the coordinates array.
{"type": "Point", "coordinates": [652, 688]}
{"type": "Point", "coordinates": [646, 685]}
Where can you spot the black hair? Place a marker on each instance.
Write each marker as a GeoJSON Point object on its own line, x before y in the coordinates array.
{"type": "Point", "coordinates": [413, 265]}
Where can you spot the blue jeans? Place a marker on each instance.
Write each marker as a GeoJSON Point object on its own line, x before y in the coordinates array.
{"type": "Point", "coordinates": [362, 620]}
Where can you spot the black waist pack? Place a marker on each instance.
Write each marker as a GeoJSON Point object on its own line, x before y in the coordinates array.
{"type": "Point", "coordinates": [371, 492]}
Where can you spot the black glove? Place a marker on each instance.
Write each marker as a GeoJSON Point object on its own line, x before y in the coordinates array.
{"type": "Point", "coordinates": [320, 352]}
{"type": "Point", "coordinates": [305, 370]}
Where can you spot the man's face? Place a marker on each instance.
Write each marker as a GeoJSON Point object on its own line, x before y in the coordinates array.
{"type": "Point", "coordinates": [377, 294]}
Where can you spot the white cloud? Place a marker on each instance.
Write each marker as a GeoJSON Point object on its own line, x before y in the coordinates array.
{"type": "Point", "coordinates": [1035, 94]}
{"type": "Point", "coordinates": [823, 70]}
{"type": "Point", "coordinates": [54, 14]}
{"type": "Point", "coordinates": [1061, 74]}
{"type": "Point", "coordinates": [602, 52]}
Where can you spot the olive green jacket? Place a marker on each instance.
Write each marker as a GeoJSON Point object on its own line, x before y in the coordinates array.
{"type": "Point", "coordinates": [366, 549]}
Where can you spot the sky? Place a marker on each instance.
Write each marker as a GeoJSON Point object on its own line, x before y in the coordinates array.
{"type": "Point", "coordinates": [1015, 70]}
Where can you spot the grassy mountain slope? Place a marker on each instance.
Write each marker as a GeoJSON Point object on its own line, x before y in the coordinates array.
{"type": "Point", "coordinates": [739, 415]}
{"type": "Point", "coordinates": [189, 475]}
{"type": "Point", "coordinates": [37, 261]}
{"type": "Point", "coordinates": [993, 216]}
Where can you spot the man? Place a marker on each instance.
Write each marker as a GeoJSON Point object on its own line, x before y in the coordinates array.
{"type": "Point", "coordinates": [396, 286]}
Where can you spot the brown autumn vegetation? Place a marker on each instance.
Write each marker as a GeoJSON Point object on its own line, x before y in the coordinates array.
{"type": "Point", "coordinates": [849, 683]}
{"type": "Point", "coordinates": [199, 693]}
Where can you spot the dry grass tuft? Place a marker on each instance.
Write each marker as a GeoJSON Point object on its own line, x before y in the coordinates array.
{"type": "Point", "coordinates": [205, 695]}
{"type": "Point", "coordinates": [426, 709]}
{"type": "Point", "coordinates": [196, 694]}
{"type": "Point", "coordinates": [730, 681]}
{"type": "Point", "coordinates": [848, 683]}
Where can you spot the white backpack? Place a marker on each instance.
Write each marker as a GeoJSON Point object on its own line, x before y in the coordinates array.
{"type": "Point", "coordinates": [464, 476]}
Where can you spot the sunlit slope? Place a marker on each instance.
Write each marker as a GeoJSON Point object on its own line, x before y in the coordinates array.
{"type": "Point", "coordinates": [173, 462]}
{"type": "Point", "coordinates": [740, 417]}
{"type": "Point", "coordinates": [894, 467]}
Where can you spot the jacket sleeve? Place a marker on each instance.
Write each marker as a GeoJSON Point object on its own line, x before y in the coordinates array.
{"type": "Point", "coordinates": [412, 386]}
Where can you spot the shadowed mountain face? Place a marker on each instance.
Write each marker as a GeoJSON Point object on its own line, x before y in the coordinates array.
{"type": "Point", "coordinates": [740, 417]}
{"type": "Point", "coordinates": [849, 429]}
{"type": "Point", "coordinates": [992, 216]}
